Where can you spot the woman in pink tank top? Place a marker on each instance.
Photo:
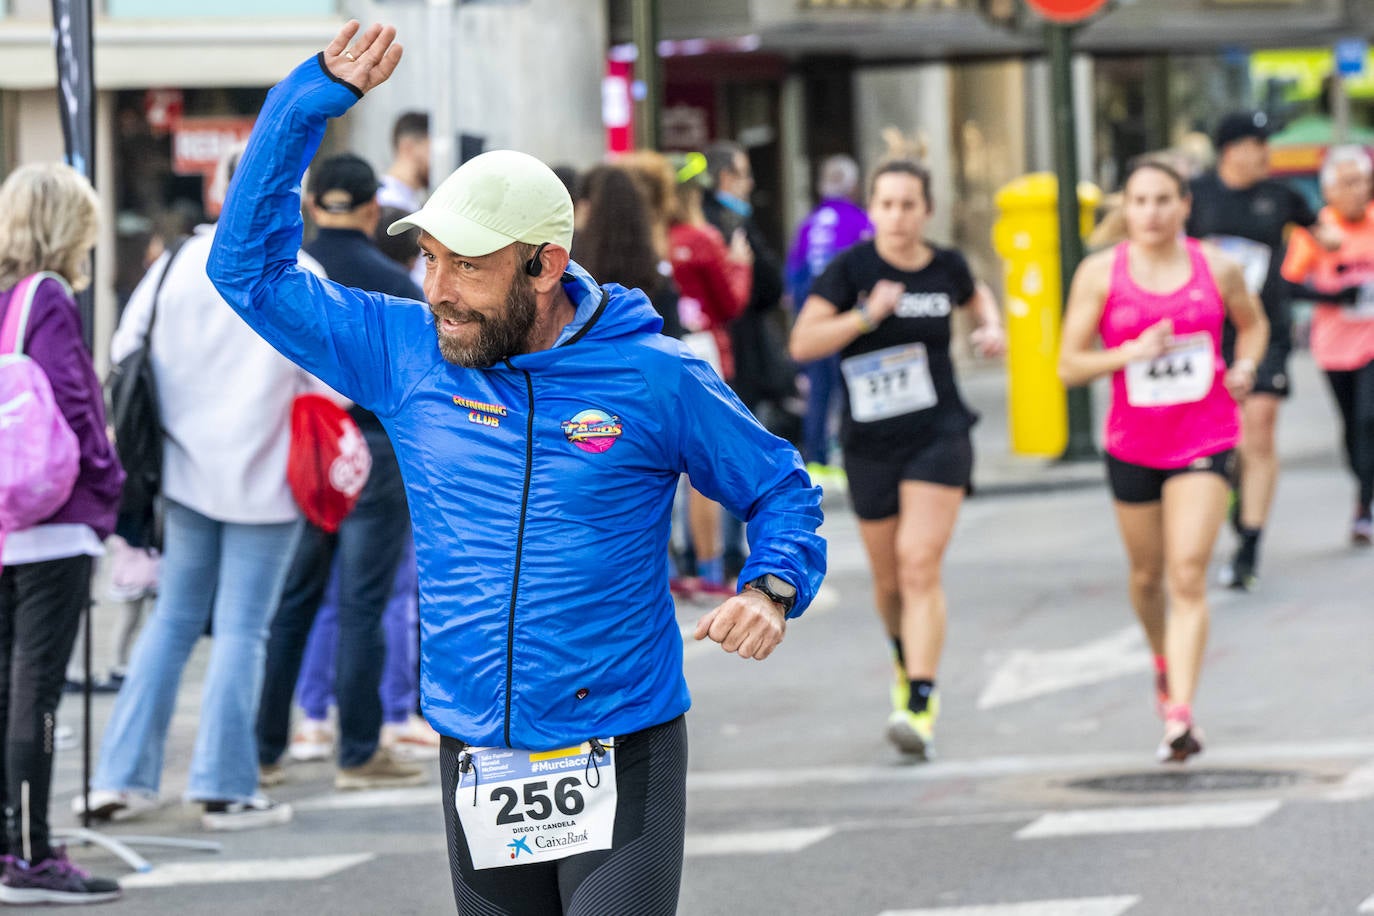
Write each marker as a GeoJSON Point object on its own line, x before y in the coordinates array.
{"type": "Point", "coordinates": [1158, 302]}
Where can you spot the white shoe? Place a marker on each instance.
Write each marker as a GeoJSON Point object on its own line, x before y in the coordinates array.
{"type": "Point", "coordinates": [413, 739]}
{"type": "Point", "coordinates": [313, 741]}
{"type": "Point", "coordinates": [259, 811]}
{"type": "Point", "coordinates": [116, 805]}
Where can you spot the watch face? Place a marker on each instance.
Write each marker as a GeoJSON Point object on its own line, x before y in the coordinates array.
{"type": "Point", "coordinates": [781, 588]}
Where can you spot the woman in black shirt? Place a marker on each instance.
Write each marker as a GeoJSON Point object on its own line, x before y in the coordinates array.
{"type": "Point", "coordinates": [885, 306]}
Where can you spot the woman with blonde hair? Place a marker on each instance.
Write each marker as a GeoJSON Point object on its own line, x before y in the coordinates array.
{"type": "Point", "coordinates": [48, 224]}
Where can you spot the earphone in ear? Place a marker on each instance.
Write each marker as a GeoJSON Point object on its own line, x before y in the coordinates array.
{"type": "Point", "coordinates": [535, 266]}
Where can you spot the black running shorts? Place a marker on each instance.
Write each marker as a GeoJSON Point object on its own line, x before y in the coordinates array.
{"type": "Point", "coordinates": [639, 876]}
{"type": "Point", "coordinates": [1137, 484]}
{"type": "Point", "coordinates": [874, 483]}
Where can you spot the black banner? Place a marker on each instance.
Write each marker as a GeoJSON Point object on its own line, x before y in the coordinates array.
{"type": "Point", "coordinates": [75, 45]}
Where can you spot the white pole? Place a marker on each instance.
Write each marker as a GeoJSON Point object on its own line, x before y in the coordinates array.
{"type": "Point", "coordinates": [443, 72]}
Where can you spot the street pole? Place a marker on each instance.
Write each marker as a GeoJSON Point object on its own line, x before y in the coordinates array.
{"type": "Point", "coordinates": [644, 15]}
{"type": "Point", "coordinates": [1059, 44]}
{"type": "Point", "coordinates": [443, 130]}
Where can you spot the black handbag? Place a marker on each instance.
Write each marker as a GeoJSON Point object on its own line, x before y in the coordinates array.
{"type": "Point", "coordinates": [136, 418]}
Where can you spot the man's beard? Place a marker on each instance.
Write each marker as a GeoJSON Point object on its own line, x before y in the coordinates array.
{"type": "Point", "coordinates": [498, 337]}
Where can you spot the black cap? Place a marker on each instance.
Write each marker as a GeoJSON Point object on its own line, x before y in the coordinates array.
{"type": "Point", "coordinates": [1240, 125]}
{"type": "Point", "coordinates": [342, 184]}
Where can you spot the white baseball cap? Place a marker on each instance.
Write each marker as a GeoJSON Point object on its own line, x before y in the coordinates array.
{"type": "Point", "coordinates": [494, 200]}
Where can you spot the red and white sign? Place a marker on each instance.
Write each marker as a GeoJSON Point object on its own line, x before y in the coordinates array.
{"type": "Point", "coordinates": [617, 105]}
{"type": "Point", "coordinates": [163, 108]}
{"type": "Point", "coordinates": [198, 143]}
{"type": "Point", "coordinates": [1067, 10]}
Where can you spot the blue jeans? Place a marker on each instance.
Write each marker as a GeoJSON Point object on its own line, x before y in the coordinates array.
{"type": "Point", "coordinates": [400, 678]}
{"type": "Point", "coordinates": [368, 546]}
{"type": "Point", "coordinates": [230, 574]}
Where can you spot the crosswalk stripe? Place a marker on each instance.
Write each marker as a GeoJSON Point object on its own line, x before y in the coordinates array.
{"type": "Point", "coordinates": [1083, 906]}
{"type": "Point", "coordinates": [305, 868]}
{"type": "Point", "coordinates": [1367, 906]}
{"type": "Point", "coordinates": [1358, 784]}
{"type": "Point", "coordinates": [755, 842]}
{"type": "Point", "coordinates": [1149, 820]}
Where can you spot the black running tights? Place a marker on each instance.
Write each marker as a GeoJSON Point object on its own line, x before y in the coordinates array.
{"type": "Point", "coordinates": [1354, 393]}
{"type": "Point", "coordinates": [639, 876]}
{"type": "Point", "coordinates": [40, 609]}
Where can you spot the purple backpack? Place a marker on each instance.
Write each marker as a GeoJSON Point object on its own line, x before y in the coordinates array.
{"type": "Point", "coordinates": [39, 454]}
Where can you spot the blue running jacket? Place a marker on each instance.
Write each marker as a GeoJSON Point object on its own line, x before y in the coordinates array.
{"type": "Point", "coordinates": [540, 488]}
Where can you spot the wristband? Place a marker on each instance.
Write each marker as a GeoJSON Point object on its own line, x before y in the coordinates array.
{"type": "Point", "coordinates": [866, 324]}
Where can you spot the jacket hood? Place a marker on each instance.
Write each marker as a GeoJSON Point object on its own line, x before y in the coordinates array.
{"type": "Point", "coordinates": [604, 312]}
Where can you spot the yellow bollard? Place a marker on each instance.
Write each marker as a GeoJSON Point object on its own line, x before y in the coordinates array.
{"type": "Point", "coordinates": [1026, 236]}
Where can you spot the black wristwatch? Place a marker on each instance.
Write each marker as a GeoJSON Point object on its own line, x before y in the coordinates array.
{"type": "Point", "coordinates": [779, 591]}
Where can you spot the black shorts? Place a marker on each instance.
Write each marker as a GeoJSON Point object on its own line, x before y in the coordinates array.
{"type": "Point", "coordinates": [1137, 484]}
{"type": "Point", "coordinates": [639, 876]}
{"type": "Point", "coordinates": [874, 483]}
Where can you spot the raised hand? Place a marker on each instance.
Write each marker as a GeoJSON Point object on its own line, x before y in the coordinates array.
{"type": "Point", "coordinates": [370, 61]}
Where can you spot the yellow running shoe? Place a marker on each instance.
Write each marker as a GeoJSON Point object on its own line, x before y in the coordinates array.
{"type": "Point", "coordinates": [914, 732]}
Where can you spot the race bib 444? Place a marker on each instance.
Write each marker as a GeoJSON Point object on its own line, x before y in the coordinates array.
{"type": "Point", "coordinates": [536, 806]}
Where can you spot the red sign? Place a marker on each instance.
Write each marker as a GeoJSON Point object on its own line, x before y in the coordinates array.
{"type": "Point", "coordinates": [1066, 10]}
{"type": "Point", "coordinates": [198, 143]}
{"type": "Point", "coordinates": [617, 105]}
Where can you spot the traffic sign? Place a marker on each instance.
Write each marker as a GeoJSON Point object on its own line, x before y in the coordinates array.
{"type": "Point", "coordinates": [1350, 56]}
{"type": "Point", "coordinates": [1066, 11]}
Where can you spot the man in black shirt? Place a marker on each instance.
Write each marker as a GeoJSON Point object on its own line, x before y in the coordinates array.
{"type": "Point", "coordinates": [1247, 214]}
{"type": "Point", "coordinates": [369, 542]}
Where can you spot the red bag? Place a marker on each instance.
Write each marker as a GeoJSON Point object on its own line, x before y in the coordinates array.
{"type": "Point", "coordinates": [329, 460]}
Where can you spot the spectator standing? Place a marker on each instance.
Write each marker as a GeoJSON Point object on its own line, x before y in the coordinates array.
{"type": "Point", "coordinates": [48, 222]}
{"type": "Point", "coordinates": [836, 223]}
{"type": "Point", "coordinates": [371, 540]}
{"type": "Point", "coordinates": [230, 527]}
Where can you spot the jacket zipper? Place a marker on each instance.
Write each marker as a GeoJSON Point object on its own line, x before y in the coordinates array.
{"type": "Point", "coordinates": [519, 549]}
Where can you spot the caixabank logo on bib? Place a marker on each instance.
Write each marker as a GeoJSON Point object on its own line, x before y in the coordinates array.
{"type": "Point", "coordinates": [593, 430]}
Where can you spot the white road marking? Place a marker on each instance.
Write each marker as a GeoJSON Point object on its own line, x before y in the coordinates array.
{"type": "Point", "coordinates": [1026, 673]}
{"type": "Point", "coordinates": [1367, 906]}
{"type": "Point", "coordinates": [755, 842]}
{"type": "Point", "coordinates": [1083, 906]}
{"type": "Point", "coordinates": [1160, 818]}
{"type": "Point", "coordinates": [416, 797]}
{"type": "Point", "coordinates": [305, 868]}
{"type": "Point", "coordinates": [1358, 784]}
{"type": "Point", "coordinates": [995, 767]}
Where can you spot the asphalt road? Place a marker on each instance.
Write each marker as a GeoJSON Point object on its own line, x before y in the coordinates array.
{"type": "Point", "coordinates": [1044, 800]}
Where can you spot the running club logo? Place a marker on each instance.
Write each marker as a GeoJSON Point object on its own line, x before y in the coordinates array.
{"type": "Point", "coordinates": [593, 430]}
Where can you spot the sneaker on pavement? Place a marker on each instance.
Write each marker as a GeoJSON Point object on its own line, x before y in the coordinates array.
{"type": "Point", "coordinates": [115, 804]}
{"type": "Point", "coordinates": [259, 811]}
{"type": "Point", "coordinates": [412, 739]}
{"type": "Point", "coordinates": [54, 880]}
{"type": "Point", "coordinates": [1362, 531]}
{"type": "Point", "coordinates": [382, 771]}
{"type": "Point", "coordinates": [312, 741]}
{"type": "Point", "coordinates": [1181, 740]}
{"type": "Point", "coordinates": [1239, 574]}
{"type": "Point", "coordinates": [271, 774]}
{"type": "Point", "coordinates": [914, 732]}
